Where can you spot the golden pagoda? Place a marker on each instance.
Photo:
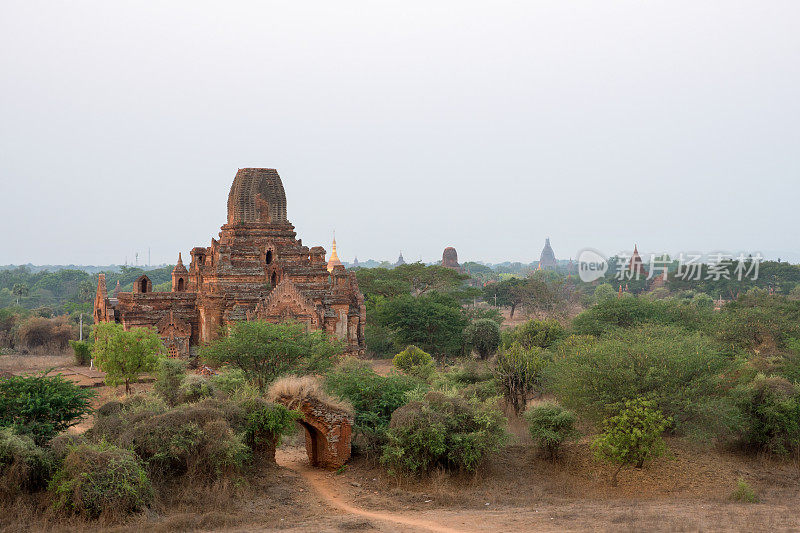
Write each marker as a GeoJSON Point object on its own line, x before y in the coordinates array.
{"type": "Point", "coordinates": [334, 260]}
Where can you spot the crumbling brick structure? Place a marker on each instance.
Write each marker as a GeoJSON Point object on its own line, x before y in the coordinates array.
{"type": "Point", "coordinates": [256, 270]}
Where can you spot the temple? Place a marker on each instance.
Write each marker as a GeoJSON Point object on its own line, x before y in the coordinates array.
{"type": "Point", "coordinates": [257, 270]}
{"type": "Point", "coordinates": [450, 259]}
{"type": "Point", "coordinates": [547, 261]}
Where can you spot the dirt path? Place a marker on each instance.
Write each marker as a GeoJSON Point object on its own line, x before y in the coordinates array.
{"type": "Point", "coordinates": [329, 491]}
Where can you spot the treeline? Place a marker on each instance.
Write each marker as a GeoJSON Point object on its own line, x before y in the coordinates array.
{"type": "Point", "coordinates": [67, 291]}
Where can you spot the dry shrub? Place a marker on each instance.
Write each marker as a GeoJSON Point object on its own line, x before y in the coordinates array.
{"type": "Point", "coordinates": [23, 465]}
{"type": "Point", "coordinates": [50, 333]}
{"type": "Point", "coordinates": [292, 391]}
{"type": "Point", "coordinates": [101, 479]}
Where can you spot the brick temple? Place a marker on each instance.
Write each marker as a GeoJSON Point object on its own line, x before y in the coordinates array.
{"type": "Point", "coordinates": [257, 270]}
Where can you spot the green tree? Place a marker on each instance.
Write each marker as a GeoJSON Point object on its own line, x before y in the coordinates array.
{"type": "Point", "coordinates": [604, 292]}
{"type": "Point", "coordinates": [265, 351]}
{"type": "Point", "coordinates": [414, 362]}
{"type": "Point", "coordinates": [20, 289]}
{"type": "Point", "coordinates": [520, 373]}
{"type": "Point", "coordinates": [507, 293]}
{"type": "Point", "coordinates": [124, 355]}
{"type": "Point", "coordinates": [435, 322]}
{"type": "Point", "coordinates": [633, 436]}
{"type": "Point", "coordinates": [483, 335]}
{"type": "Point", "coordinates": [42, 406]}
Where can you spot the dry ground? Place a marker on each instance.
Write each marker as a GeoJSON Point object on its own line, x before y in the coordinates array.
{"type": "Point", "coordinates": [516, 491]}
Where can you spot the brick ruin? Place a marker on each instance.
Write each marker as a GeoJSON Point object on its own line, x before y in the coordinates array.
{"type": "Point", "coordinates": [256, 270]}
{"type": "Point", "coordinates": [450, 259]}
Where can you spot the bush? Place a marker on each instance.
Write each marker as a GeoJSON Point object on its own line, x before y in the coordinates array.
{"type": "Point", "coordinates": [614, 313]}
{"type": "Point", "coordinates": [744, 492]}
{"type": "Point", "coordinates": [535, 334]}
{"type": "Point", "coordinates": [483, 336]}
{"type": "Point", "coordinates": [771, 407]}
{"type": "Point", "coordinates": [442, 432]}
{"type": "Point", "coordinates": [40, 332]}
{"type": "Point", "coordinates": [414, 362]}
{"type": "Point", "coordinates": [373, 397]}
{"type": "Point", "coordinates": [23, 465]}
{"type": "Point", "coordinates": [265, 424]}
{"type": "Point", "coordinates": [760, 322]}
{"type": "Point", "coordinates": [102, 478]}
{"type": "Point", "coordinates": [229, 380]}
{"type": "Point", "coordinates": [471, 379]}
{"type": "Point", "coordinates": [550, 425]}
{"type": "Point", "coordinates": [169, 378]}
{"type": "Point", "coordinates": [194, 388]}
{"type": "Point", "coordinates": [681, 373]}
{"type": "Point", "coordinates": [203, 439]}
{"type": "Point", "coordinates": [42, 406]}
{"type": "Point", "coordinates": [82, 351]}
{"type": "Point", "coordinates": [520, 373]}
{"type": "Point", "coordinates": [633, 436]}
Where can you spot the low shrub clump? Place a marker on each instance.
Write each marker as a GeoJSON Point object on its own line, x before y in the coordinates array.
{"type": "Point", "coordinates": [632, 437]}
{"type": "Point", "coordinates": [744, 492]}
{"type": "Point", "coordinates": [414, 362]}
{"type": "Point", "coordinates": [169, 378]}
{"type": "Point", "coordinates": [535, 333]}
{"type": "Point", "coordinates": [550, 425]}
{"type": "Point", "coordinates": [82, 351]}
{"type": "Point", "coordinates": [102, 478]}
{"type": "Point", "coordinates": [771, 409]}
{"type": "Point", "coordinates": [195, 388]}
{"type": "Point", "coordinates": [42, 406]}
{"type": "Point", "coordinates": [37, 332]}
{"type": "Point", "coordinates": [374, 398]}
{"type": "Point", "coordinates": [442, 431]}
{"type": "Point", "coordinates": [265, 424]}
{"type": "Point", "coordinates": [23, 465]}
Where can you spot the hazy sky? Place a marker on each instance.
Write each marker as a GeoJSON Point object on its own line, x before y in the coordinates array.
{"type": "Point", "coordinates": [487, 126]}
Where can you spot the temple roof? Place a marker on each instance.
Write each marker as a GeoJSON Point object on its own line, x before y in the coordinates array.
{"type": "Point", "coordinates": [334, 260]}
{"type": "Point", "coordinates": [257, 195]}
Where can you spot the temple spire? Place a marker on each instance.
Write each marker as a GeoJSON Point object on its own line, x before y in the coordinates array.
{"type": "Point", "coordinates": [334, 260]}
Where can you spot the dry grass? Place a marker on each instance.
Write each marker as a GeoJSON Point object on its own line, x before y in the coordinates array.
{"type": "Point", "coordinates": [291, 391]}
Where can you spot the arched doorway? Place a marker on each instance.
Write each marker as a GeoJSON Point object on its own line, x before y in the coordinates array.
{"type": "Point", "coordinates": [143, 285]}
{"type": "Point", "coordinates": [181, 285]}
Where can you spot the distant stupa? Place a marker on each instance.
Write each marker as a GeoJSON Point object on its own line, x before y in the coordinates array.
{"type": "Point", "coordinates": [547, 261]}
{"type": "Point", "coordinates": [400, 260]}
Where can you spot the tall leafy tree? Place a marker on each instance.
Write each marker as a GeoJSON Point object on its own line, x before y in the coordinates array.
{"type": "Point", "coordinates": [265, 351]}
{"type": "Point", "coordinates": [124, 355]}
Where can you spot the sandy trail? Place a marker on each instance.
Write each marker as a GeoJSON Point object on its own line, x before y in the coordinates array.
{"type": "Point", "coordinates": [330, 492]}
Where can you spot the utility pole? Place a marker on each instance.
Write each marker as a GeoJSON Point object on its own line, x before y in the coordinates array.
{"type": "Point", "coordinates": [148, 257]}
{"type": "Point", "coordinates": [81, 333]}
{"type": "Point", "coordinates": [495, 299]}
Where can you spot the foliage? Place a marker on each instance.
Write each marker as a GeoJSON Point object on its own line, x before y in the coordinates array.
{"type": "Point", "coordinates": [771, 407]}
{"type": "Point", "coordinates": [169, 377]}
{"type": "Point", "coordinates": [702, 300]}
{"type": "Point", "coordinates": [265, 351]}
{"type": "Point", "coordinates": [604, 292]}
{"type": "Point", "coordinates": [442, 432]}
{"type": "Point", "coordinates": [194, 388]}
{"type": "Point", "coordinates": [101, 478]}
{"type": "Point", "coordinates": [760, 322]}
{"type": "Point", "coordinates": [82, 351]}
{"type": "Point", "coordinates": [414, 362]}
{"type": "Point", "coordinates": [124, 355]}
{"type": "Point", "coordinates": [681, 373]}
{"type": "Point", "coordinates": [535, 333]}
{"type": "Point", "coordinates": [203, 439]}
{"type": "Point", "coordinates": [37, 332]}
{"type": "Point", "coordinates": [470, 379]}
{"type": "Point", "coordinates": [433, 321]}
{"type": "Point", "coordinates": [744, 492]}
{"type": "Point", "coordinates": [520, 373]}
{"type": "Point", "coordinates": [229, 380]}
{"type": "Point", "coordinates": [633, 436]}
{"type": "Point", "coordinates": [23, 465]}
{"type": "Point", "coordinates": [42, 406]}
{"type": "Point", "coordinates": [373, 396]}
{"type": "Point", "coordinates": [550, 425]}
{"type": "Point", "coordinates": [632, 312]}
{"type": "Point", "coordinates": [483, 335]}
{"type": "Point", "coordinates": [265, 424]}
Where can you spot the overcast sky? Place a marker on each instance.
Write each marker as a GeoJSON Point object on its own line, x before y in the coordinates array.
{"type": "Point", "coordinates": [409, 126]}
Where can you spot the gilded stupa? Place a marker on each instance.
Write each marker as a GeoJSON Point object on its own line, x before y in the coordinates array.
{"type": "Point", "coordinates": [334, 260]}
